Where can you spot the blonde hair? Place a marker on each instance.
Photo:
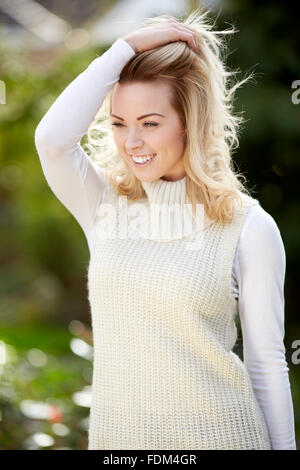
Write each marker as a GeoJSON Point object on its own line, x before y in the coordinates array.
{"type": "Point", "coordinates": [203, 98]}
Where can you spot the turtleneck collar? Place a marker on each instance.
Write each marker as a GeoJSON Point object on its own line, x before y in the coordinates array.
{"type": "Point", "coordinates": [170, 216]}
{"type": "Point", "coordinates": [162, 191]}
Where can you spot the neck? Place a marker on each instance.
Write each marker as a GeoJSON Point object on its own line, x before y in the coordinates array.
{"type": "Point", "coordinates": [164, 191]}
{"type": "Point", "coordinates": [173, 178]}
{"type": "Point", "coordinates": [170, 210]}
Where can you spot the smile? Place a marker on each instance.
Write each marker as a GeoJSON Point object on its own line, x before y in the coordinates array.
{"type": "Point", "coordinates": [143, 161]}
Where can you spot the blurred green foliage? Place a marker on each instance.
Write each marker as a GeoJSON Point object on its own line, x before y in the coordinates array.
{"type": "Point", "coordinates": [44, 255]}
{"type": "Point", "coordinates": [39, 382]}
{"type": "Point", "coordinates": [42, 283]}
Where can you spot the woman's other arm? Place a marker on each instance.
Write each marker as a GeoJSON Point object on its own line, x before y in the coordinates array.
{"type": "Point", "coordinates": [260, 272]}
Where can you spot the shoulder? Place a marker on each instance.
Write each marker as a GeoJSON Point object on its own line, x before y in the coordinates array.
{"type": "Point", "coordinates": [259, 224]}
{"type": "Point", "coordinates": [257, 221]}
{"type": "Point", "coordinates": [261, 236]}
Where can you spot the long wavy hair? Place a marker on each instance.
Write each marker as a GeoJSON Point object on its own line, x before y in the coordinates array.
{"type": "Point", "coordinates": [203, 94]}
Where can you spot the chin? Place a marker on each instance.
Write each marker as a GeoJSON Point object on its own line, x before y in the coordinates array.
{"type": "Point", "coordinates": [148, 178]}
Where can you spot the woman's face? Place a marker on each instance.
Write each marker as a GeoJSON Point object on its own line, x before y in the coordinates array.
{"type": "Point", "coordinates": [138, 135]}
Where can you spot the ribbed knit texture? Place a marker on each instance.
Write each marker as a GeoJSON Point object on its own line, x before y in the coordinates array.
{"type": "Point", "coordinates": [163, 321]}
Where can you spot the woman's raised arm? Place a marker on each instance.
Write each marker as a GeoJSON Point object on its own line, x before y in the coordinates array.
{"type": "Point", "coordinates": [76, 181]}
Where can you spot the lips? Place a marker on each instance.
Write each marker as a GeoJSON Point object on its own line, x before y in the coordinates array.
{"type": "Point", "coordinates": [147, 162]}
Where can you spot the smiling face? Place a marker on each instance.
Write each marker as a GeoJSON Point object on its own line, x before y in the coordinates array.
{"type": "Point", "coordinates": [140, 135]}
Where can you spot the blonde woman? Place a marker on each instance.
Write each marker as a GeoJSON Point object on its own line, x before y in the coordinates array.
{"type": "Point", "coordinates": [178, 247]}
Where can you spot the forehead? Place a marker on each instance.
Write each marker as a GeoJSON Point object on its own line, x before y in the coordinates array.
{"type": "Point", "coordinates": [140, 95]}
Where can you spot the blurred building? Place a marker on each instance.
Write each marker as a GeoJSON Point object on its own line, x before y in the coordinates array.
{"type": "Point", "coordinates": [44, 24]}
{"type": "Point", "coordinates": [47, 24]}
{"type": "Point", "coordinates": [126, 15]}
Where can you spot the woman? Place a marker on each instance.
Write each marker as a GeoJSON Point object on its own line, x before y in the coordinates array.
{"type": "Point", "coordinates": [164, 294]}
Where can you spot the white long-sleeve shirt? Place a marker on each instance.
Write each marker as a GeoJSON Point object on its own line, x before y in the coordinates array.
{"type": "Point", "coordinates": [258, 271]}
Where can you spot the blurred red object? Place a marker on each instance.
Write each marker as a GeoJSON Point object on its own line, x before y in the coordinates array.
{"type": "Point", "coordinates": [55, 415]}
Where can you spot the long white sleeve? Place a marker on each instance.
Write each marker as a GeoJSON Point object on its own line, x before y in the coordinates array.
{"type": "Point", "coordinates": [258, 275]}
{"type": "Point", "coordinates": [76, 181]}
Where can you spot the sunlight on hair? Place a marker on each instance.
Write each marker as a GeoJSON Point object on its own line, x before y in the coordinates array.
{"type": "Point", "coordinates": [203, 94]}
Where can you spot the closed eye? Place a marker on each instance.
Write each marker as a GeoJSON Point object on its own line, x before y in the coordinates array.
{"type": "Point", "coordinates": [119, 124]}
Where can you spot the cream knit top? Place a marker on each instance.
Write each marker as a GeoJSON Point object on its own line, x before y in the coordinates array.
{"type": "Point", "coordinates": [164, 326]}
{"type": "Point", "coordinates": [163, 307]}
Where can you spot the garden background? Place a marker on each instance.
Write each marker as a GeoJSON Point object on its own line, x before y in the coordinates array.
{"type": "Point", "coordinates": [46, 345]}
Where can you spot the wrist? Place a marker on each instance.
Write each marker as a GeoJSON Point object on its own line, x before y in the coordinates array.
{"type": "Point", "coordinates": [130, 42]}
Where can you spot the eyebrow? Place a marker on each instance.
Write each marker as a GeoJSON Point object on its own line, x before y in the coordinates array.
{"type": "Point", "coordinates": [141, 117]}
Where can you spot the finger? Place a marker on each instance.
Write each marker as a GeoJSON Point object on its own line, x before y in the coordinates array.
{"type": "Point", "coordinates": [186, 36]}
{"type": "Point", "coordinates": [184, 27]}
{"type": "Point", "coordinates": [187, 29]}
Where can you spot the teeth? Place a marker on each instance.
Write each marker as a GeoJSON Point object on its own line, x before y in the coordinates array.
{"type": "Point", "coordinates": [142, 159]}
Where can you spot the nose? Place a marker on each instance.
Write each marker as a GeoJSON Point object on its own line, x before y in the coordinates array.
{"type": "Point", "coordinates": [133, 141]}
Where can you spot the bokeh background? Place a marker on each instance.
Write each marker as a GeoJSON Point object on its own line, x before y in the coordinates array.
{"type": "Point", "coordinates": [46, 345]}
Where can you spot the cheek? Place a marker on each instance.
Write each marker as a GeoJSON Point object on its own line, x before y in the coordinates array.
{"type": "Point", "coordinates": [118, 139]}
{"type": "Point", "coordinates": [165, 138]}
{"type": "Point", "coordinates": [175, 141]}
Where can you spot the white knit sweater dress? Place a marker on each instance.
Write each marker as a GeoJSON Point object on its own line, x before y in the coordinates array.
{"type": "Point", "coordinates": [163, 318]}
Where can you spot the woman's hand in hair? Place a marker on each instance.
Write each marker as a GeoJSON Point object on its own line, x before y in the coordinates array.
{"type": "Point", "coordinates": [153, 36]}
